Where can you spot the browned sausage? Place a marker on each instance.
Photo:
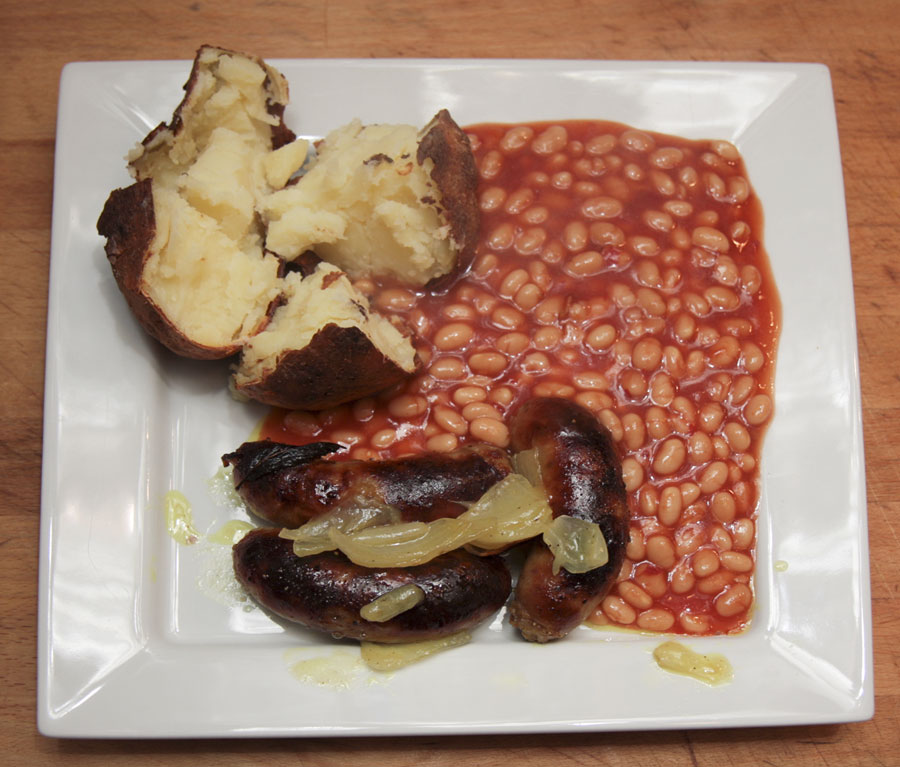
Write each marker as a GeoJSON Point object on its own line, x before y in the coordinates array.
{"type": "Point", "coordinates": [326, 591]}
{"type": "Point", "coordinates": [288, 485]}
{"type": "Point", "coordinates": [583, 478]}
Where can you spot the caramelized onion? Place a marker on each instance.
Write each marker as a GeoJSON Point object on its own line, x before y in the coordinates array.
{"type": "Point", "coordinates": [516, 511]}
{"type": "Point", "coordinates": [578, 546]}
{"type": "Point", "coordinates": [391, 604]}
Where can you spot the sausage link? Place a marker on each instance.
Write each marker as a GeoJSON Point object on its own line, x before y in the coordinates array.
{"type": "Point", "coordinates": [326, 591]}
{"type": "Point", "coordinates": [582, 476]}
{"type": "Point", "coordinates": [288, 486]}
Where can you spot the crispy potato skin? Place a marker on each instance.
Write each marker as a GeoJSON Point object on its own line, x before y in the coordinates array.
{"type": "Point", "coordinates": [326, 591]}
{"type": "Point", "coordinates": [583, 478]}
{"type": "Point", "coordinates": [456, 176]}
{"type": "Point", "coordinates": [423, 487]}
{"type": "Point", "coordinates": [128, 222]}
{"type": "Point", "coordinates": [339, 364]}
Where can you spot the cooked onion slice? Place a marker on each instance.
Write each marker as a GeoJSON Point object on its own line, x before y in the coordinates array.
{"type": "Point", "coordinates": [578, 546]}
{"type": "Point", "coordinates": [515, 509]}
{"type": "Point", "coordinates": [313, 537]}
{"type": "Point", "coordinates": [391, 604]}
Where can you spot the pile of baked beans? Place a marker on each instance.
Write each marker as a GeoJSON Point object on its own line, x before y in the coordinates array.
{"type": "Point", "coordinates": [623, 270]}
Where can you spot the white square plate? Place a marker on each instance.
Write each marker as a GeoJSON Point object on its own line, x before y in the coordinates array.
{"type": "Point", "coordinates": [137, 638]}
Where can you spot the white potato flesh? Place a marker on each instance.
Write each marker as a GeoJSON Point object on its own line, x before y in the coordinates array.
{"type": "Point", "coordinates": [367, 206]}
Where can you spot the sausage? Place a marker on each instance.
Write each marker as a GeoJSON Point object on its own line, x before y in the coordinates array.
{"type": "Point", "coordinates": [326, 591]}
{"type": "Point", "coordinates": [582, 476]}
{"type": "Point", "coordinates": [288, 485]}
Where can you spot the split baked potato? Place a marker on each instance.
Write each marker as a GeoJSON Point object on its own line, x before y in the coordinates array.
{"type": "Point", "coordinates": [211, 243]}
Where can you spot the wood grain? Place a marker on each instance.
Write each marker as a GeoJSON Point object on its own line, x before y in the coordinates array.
{"type": "Point", "coordinates": [858, 41]}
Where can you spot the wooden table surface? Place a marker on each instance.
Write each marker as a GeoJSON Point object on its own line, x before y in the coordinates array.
{"type": "Point", "coordinates": [858, 39]}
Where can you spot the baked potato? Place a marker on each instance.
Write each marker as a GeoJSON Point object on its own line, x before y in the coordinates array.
{"type": "Point", "coordinates": [322, 347]}
{"type": "Point", "coordinates": [383, 200]}
{"type": "Point", "coordinates": [184, 242]}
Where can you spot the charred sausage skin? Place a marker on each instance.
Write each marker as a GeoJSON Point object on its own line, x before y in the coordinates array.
{"type": "Point", "coordinates": [326, 591]}
{"type": "Point", "coordinates": [298, 484]}
{"type": "Point", "coordinates": [582, 476]}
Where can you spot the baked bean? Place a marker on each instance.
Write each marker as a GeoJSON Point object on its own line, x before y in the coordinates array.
{"type": "Point", "coordinates": [713, 584]}
{"type": "Point", "coordinates": [700, 449]}
{"type": "Point", "coordinates": [670, 505]}
{"type": "Point", "coordinates": [447, 368]}
{"type": "Point", "coordinates": [459, 312]}
{"type": "Point", "coordinates": [548, 311]}
{"type": "Point", "coordinates": [492, 199]}
{"type": "Point", "coordinates": [363, 409]}
{"type": "Point", "coordinates": [635, 548]}
{"type": "Point", "coordinates": [383, 438]}
{"type": "Point", "coordinates": [535, 363]}
{"type": "Point", "coordinates": [512, 343]}
{"type": "Point", "coordinates": [507, 318]}
{"type": "Point", "coordinates": [407, 406]}
{"type": "Point", "coordinates": [585, 264]}
{"type": "Point", "coordinates": [302, 422]}
{"type": "Point", "coordinates": [490, 430]}
{"type": "Point", "coordinates": [593, 400]}
{"type": "Point", "coordinates": [662, 389]}
{"type": "Point", "coordinates": [453, 336]}
{"type": "Point", "coordinates": [512, 282]}
{"type": "Point", "coordinates": [575, 236]}
{"type": "Point", "coordinates": [643, 246]}
{"type": "Point", "coordinates": [659, 220]}
{"type": "Point", "coordinates": [704, 563]}
{"type": "Point", "coordinates": [711, 416]}
{"type": "Point", "coordinates": [536, 214]}
{"type": "Point", "coordinates": [737, 436]}
{"type": "Point", "coordinates": [602, 207]}
{"type": "Point", "coordinates": [647, 354]}
{"type": "Point", "coordinates": [516, 138]}
{"type": "Point", "coordinates": [722, 506]}
{"type": "Point", "coordinates": [480, 410]}
{"type": "Point", "coordinates": [720, 448]}
{"type": "Point", "coordinates": [491, 164]}
{"type": "Point", "coordinates": [561, 180]}
{"type": "Point", "coordinates": [501, 395]}
{"type": "Point", "coordinates": [633, 383]}
{"type": "Point", "coordinates": [618, 610]}
{"type": "Point", "coordinates": [648, 500]}
{"type": "Point", "coordinates": [448, 419]}
{"type": "Point", "coordinates": [553, 389]}
{"type": "Point", "coordinates": [669, 456]}
{"type": "Point", "coordinates": [736, 562]}
{"type": "Point", "coordinates": [633, 429]}
{"type": "Point", "coordinates": [680, 238]}
{"type": "Point", "coordinates": [604, 233]}
{"type": "Point", "coordinates": [720, 538]}
{"type": "Point", "coordinates": [547, 338]}
{"type": "Point", "coordinates": [682, 579]}
{"type": "Point", "coordinates": [550, 140]}
{"type": "Point", "coordinates": [612, 422]}
{"type": "Point", "coordinates": [724, 353]}
{"type": "Point", "coordinates": [690, 492]}
{"type": "Point", "coordinates": [689, 538]}
{"type": "Point", "coordinates": [751, 279]}
{"type": "Point", "coordinates": [530, 240]}
{"type": "Point", "coordinates": [442, 443]}
{"type": "Point", "coordinates": [693, 623]}
{"type": "Point", "coordinates": [721, 298]}
{"type": "Point", "coordinates": [752, 357]}
{"type": "Point", "coordinates": [696, 304]}
{"type": "Point", "coordinates": [655, 619]}
{"type": "Point", "coordinates": [487, 363]}
{"type": "Point", "coordinates": [758, 409]}
{"type": "Point", "coordinates": [743, 495]}
{"type": "Point", "coordinates": [657, 422]}
{"type": "Point", "coordinates": [734, 600]}
{"type": "Point", "coordinates": [714, 477]}
{"type": "Point", "coordinates": [600, 144]}
{"type": "Point", "coordinates": [589, 379]}
{"type": "Point", "coordinates": [660, 551]}
{"type": "Point", "coordinates": [464, 395]}
{"type": "Point", "coordinates": [635, 595]}
{"type": "Point", "coordinates": [553, 252]}
{"type": "Point", "coordinates": [600, 337]}
{"type": "Point", "coordinates": [637, 141]}
{"type": "Point", "coordinates": [742, 532]}
{"type": "Point", "coordinates": [632, 473]}
{"type": "Point", "coordinates": [651, 580]}
{"type": "Point", "coordinates": [519, 201]}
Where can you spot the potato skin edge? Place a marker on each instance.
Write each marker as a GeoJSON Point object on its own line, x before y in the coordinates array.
{"type": "Point", "coordinates": [339, 364]}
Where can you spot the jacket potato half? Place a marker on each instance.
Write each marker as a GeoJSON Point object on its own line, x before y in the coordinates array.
{"type": "Point", "coordinates": [322, 347]}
